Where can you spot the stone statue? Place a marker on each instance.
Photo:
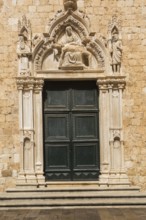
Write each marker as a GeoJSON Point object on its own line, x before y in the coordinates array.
{"type": "Point", "coordinates": [116, 51]}
{"type": "Point", "coordinates": [70, 4]}
{"type": "Point", "coordinates": [72, 52]}
{"type": "Point", "coordinates": [22, 46]}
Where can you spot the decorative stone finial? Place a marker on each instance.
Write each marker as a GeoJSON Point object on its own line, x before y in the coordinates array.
{"type": "Point", "coordinates": [70, 4]}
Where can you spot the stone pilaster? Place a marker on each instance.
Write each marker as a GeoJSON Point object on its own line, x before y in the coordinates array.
{"type": "Point", "coordinates": [27, 171]}
{"type": "Point", "coordinates": [39, 163]}
{"type": "Point", "coordinates": [104, 130]}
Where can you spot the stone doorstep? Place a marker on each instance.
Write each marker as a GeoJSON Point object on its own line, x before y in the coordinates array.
{"type": "Point", "coordinates": [70, 202]}
{"type": "Point", "coordinates": [72, 186]}
{"type": "Point", "coordinates": [56, 198]}
{"type": "Point", "coordinates": [72, 189]}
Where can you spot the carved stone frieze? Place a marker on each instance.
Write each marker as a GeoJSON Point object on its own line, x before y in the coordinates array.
{"type": "Point", "coordinates": [25, 82]}
{"type": "Point", "coordinates": [112, 82]}
{"type": "Point", "coordinates": [29, 83]}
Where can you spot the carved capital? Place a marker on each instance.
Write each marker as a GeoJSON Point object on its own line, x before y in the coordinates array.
{"type": "Point", "coordinates": [102, 84]}
{"type": "Point", "coordinates": [38, 86]}
{"type": "Point", "coordinates": [26, 83]}
{"type": "Point", "coordinates": [113, 82]}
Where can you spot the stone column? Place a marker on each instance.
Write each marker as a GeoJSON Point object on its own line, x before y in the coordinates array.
{"type": "Point", "coordinates": [104, 130]}
{"type": "Point", "coordinates": [21, 176]}
{"type": "Point", "coordinates": [39, 163]}
{"type": "Point", "coordinates": [27, 172]}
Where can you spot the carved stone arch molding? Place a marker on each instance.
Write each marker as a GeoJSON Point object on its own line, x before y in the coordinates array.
{"type": "Point", "coordinates": [53, 41]}
{"type": "Point", "coordinates": [68, 51]}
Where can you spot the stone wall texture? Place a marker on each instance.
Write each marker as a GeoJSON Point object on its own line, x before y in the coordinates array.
{"type": "Point", "coordinates": [100, 12]}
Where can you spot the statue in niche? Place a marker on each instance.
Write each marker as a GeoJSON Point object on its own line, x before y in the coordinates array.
{"type": "Point", "coordinates": [72, 52]}
{"type": "Point", "coordinates": [116, 51]}
{"type": "Point", "coordinates": [23, 51]}
{"type": "Point", "coordinates": [22, 45]}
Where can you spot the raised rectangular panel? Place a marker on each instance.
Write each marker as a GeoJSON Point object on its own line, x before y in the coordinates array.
{"type": "Point", "coordinates": [56, 126]}
{"type": "Point", "coordinates": [27, 110]}
{"type": "Point", "coordinates": [85, 155]}
{"type": "Point", "coordinates": [84, 126]}
{"type": "Point", "coordinates": [57, 156]}
{"type": "Point", "coordinates": [56, 97]}
{"type": "Point", "coordinates": [84, 98]}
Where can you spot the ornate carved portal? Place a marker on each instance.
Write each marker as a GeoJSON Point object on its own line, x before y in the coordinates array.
{"type": "Point", "coordinates": [68, 51]}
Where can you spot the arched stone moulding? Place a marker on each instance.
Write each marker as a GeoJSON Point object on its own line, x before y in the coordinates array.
{"type": "Point", "coordinates": [88, 61]}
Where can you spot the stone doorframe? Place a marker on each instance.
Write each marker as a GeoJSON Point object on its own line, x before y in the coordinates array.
{"type": "Point", "coordinates": [111, 134]}
{"type": "Point", "coordinates": [69, 51]}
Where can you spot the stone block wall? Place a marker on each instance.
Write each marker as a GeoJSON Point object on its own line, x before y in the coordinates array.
{"type": "Point", "coordinates": [100, 12]}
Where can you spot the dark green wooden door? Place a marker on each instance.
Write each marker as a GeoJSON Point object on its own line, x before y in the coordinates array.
{"type": "Point", "coordinates": [71, 136]}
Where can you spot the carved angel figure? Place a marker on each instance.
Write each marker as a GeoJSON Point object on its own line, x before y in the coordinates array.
{"type": "Point", "coordinates": [116, 52]}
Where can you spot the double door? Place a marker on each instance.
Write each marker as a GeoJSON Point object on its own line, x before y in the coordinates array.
{"type": "Point", "coordinates": [71, 134]}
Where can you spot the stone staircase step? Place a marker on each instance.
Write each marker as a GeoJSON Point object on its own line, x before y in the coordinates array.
{"type": "Point", "coordinates": [50, 199]}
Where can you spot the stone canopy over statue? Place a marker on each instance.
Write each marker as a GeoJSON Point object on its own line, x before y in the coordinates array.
{"type": "Point", "coordinates": [71, 53]}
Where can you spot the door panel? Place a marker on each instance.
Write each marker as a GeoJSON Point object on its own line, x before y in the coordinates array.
{"type": "Point", "coordinates": [71, 139]}
{"type": "Point", "coordinates": [85, 98]}
{"type": "Point", "coordinates": [85, 156]}
{"type": "Point", "coordinates": [84, 126]}
{"type": "Point", "coordinates": [57, 156]}
{"type": "Point", "coordinates": [56, 126]}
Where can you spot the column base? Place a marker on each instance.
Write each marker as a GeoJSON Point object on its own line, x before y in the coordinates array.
{"type": "Point", "coordinates": [21, 178]}
{"type": "Point", "coordinates": [40, 179]}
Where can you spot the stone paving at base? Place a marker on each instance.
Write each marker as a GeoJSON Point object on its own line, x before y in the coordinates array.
{"type": "Point", "coordinates": [75, 214]}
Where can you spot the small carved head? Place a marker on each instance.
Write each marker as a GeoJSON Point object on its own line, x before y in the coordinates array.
{"type": "Point", "coordinates": [69, 30]}
{"type": "Point", "coordinates": [70, 4]}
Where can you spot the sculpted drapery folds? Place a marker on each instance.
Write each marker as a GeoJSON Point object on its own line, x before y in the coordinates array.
{"type": "Point", "coordinates": [115, 44]}
{"type": "Point", "coordinates": [116, 51]}
{"type": "Point", "coordinates": [71, 51]}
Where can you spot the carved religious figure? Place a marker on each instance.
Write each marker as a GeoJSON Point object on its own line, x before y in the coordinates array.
{"type": "Point", "coordinates": [116, 51]}
{"type": "Point", "coordinates": [72, 52]}
{"type": "Point", "coordinates": [22, 46]}
{"type": "Point", "coordinates": [70, 4]}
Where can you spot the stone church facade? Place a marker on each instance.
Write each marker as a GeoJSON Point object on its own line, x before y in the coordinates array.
{"type": "Point", "coordinates": [72, 94]}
